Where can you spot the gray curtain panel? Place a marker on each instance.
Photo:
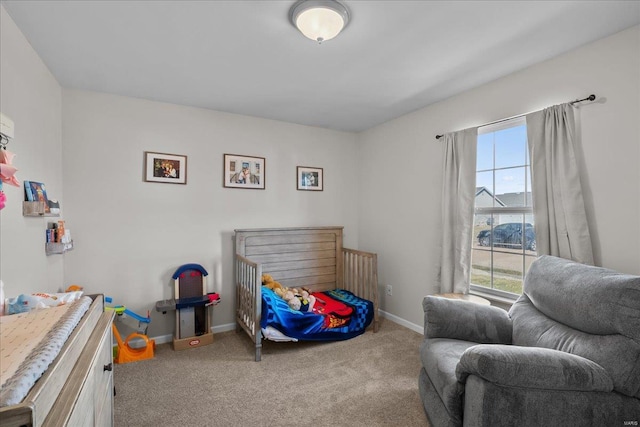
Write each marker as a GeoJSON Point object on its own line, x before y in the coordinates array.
{"type": "Point", "coordinates": [558, 206]}
{"type": "Point", "coordinates": [458, 197]}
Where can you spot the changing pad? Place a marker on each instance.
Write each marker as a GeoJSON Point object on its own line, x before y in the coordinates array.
{"type": "Point", "coordinates": [29, 342]}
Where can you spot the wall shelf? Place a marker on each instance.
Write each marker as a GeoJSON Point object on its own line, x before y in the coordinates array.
{"type": "Point", "coordinates": [36, 209]}
{"type": "Point", "coordinates": [57, 248]}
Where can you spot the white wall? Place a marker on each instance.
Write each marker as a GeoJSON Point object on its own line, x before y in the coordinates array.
{"type": "Point", "coordinates": [31, 97]}
{"type": "Point", "coordinates": [401, 215]}
{"type": "Point", "coordinates": [131, 235]}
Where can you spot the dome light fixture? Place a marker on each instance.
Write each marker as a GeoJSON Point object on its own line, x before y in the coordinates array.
{"type": "Point", "coordinates": [319, 20]}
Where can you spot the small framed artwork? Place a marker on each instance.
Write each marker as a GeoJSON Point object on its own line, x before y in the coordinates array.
{"type": "Point", "coordinates": [243, 172]}
{"type": "Point", "coordinates": [309, 179]}
{"type": "Point", "coordinates": [163, 167]}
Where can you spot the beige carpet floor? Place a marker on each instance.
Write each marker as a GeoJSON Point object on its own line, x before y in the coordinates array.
{"type": "Point", "coordinates": [371, 380]}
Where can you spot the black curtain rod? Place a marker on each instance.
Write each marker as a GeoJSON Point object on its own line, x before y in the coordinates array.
{"type": "Point", "coordinates": [591, 97]}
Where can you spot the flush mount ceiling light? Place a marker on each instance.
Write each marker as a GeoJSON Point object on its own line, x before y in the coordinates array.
{"type": "Point", "coordinates": [319, 20]}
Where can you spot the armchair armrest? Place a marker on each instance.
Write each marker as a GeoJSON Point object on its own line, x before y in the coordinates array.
{"type": "Point", "coordinates": [532, 367]}
{"type": "Point", "coordinates": [464, 320]}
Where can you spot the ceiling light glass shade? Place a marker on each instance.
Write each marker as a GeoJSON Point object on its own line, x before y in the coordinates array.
{"type": "Point", "coordinates": [319, 20]}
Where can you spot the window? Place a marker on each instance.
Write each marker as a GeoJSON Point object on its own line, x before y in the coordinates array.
{"type": "Point", "coordinates": [504, 241]}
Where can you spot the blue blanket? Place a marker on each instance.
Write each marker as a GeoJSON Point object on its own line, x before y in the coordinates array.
{"type": "Point", "coordinates": [309, 326]}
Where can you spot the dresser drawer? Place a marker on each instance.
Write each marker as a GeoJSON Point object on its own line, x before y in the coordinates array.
{"type": "Point", "coordinates": [103, 374]}
{"type": "Point", "coordinates": [84, 412]}
{"type": "Point", "coordinates": [88, 393]}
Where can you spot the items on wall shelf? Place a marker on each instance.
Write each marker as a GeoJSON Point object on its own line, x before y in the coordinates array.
{"type": "Point", "coordinates": [58, 238]}
{"type": "Point", "coordinates": [37, 203]}
{"type": "Point", "coordinates": [36, 192]}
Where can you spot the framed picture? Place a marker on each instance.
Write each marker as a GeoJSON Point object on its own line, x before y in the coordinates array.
{"type": "Point", "coordinates": [243, 172]}
{"type": "Point", "coordinates": [309, 179]}
{"type": "Point", "coordinates": [163, 167]}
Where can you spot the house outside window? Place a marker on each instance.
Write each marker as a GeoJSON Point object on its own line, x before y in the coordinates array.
{"type": "Point", "coordinates": [504, 243]}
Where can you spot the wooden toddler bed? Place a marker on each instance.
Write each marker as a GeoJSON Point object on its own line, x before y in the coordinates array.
{"type": "Point", "coordinates": [310, 257]}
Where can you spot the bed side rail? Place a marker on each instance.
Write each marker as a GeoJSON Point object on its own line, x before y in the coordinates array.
{"type": "Point", "coordinates": [361, 277]}
{"type": "Point", "coordinates": [249, 299]}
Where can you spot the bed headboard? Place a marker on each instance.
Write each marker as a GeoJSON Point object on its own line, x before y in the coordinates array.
{"type": "Point", "coordinates": [298, 257]}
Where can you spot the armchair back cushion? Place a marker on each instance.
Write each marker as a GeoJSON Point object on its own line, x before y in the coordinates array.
{"type": "Point", "coordinates": [587, 311]}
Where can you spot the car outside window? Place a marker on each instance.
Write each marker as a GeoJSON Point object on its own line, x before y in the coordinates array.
{"type": "Point", "coordinates": [504, 242]}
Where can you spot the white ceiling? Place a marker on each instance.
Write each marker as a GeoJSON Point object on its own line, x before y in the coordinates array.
{"type": "Point", "coordinates": [245, 57]}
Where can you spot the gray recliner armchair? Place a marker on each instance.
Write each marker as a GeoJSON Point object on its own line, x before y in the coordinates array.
{"type": "Point", "coordinates": [566, 353]}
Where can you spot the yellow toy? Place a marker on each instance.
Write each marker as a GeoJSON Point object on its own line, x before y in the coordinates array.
{"type": "Point", "coordinates": [268, 281]}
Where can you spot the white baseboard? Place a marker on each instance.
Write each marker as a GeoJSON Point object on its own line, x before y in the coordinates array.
{"type": "Point", "coordinates": [400, 321]}
{"type": "Point", "coordinates": [163, 339]}
{"type": "Point", "coordinates": [223, 328]}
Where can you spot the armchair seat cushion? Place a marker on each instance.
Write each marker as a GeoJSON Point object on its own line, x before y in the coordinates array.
{"type": "Point", "coordinates": [532, 368]}
{"type": "Point", "coordinates": [439, 357]}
